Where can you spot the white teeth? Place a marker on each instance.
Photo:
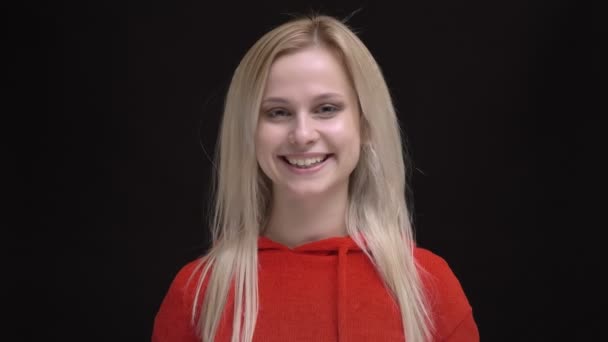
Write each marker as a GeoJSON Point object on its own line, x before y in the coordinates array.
{"type": "Point", "coordinates": [304, 162]}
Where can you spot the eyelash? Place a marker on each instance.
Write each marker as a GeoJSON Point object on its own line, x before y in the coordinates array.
{"type": "Point", "coordinates": [272, 112]}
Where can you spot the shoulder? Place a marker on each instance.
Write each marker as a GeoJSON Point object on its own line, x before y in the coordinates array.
{"type": "Point", "coordinates": [186, 282]}
{"type": "Point", "coordinates": [448, 301]}
{"type": "Point", "coordinates": [188, 275]}
{"type": "Point", "coordinates": [434, 265]}
{"type": "Point", "coordinates": [439, 280]}
{"type": "Point", "coordinates": [172, 321]}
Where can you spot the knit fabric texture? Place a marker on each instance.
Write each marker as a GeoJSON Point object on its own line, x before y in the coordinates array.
{"type": "Point", "coordinates": [326, 290]}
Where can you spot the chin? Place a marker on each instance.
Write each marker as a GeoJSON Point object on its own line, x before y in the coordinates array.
{"type": "Point", "coordinates": [305, 190]}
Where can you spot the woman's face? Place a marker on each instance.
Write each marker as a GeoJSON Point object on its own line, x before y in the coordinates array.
{"type": "Point", "coordinates": [308, 136]}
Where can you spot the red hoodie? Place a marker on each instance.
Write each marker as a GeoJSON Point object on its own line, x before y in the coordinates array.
{"type": "Point", "coordinates": [326, 290]}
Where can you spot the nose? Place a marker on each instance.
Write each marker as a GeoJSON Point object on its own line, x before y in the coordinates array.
{"type": "Point", "coordinates": [303, 131]}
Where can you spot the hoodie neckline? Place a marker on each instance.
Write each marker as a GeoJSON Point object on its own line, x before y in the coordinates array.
{"type": "Point", "coordinates": [330, 244]}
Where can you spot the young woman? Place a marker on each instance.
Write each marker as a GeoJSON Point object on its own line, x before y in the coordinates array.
{"type": "Point", "coordinates": [312, 239]}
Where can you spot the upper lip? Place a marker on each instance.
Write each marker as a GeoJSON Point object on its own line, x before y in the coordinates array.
{"type": "Point", "coordinates": [304, 155]}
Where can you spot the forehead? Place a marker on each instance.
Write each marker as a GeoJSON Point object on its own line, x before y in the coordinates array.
{"type": "Point", "coordinates": [310, 69]}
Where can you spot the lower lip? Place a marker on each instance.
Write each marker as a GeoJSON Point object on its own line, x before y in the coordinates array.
{"type": "Point", "coordinates": [307, 171]}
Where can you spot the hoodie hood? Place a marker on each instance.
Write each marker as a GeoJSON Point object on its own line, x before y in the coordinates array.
{"type": "Point", "coordinates": [340, 246]}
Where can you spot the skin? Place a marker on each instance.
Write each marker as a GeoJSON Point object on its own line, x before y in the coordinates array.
{"type": "Point", "coordinates": [309, 108]}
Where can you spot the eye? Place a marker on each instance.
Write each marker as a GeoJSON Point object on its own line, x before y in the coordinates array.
{"type": "Point", "coordinates": [277, 112]}
{"type": "Point", "coordinates": [327, 109]}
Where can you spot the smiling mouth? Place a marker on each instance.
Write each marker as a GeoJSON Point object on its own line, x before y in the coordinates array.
{"type": "Point", "coordinates": [306, 164]}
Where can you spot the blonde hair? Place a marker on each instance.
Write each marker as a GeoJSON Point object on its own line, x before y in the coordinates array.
{"type": "Point", "coordinates": [377, 217]}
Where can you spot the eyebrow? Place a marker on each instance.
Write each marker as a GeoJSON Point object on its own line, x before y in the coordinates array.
{"type": "Point", "coordinates": [319, 97]}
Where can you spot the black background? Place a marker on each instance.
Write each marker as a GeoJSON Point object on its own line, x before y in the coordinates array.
{"type": "Point", "coordinates": [119, 105]}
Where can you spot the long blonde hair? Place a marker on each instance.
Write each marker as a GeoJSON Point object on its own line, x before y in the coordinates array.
{"type": "Point", "coordinates": [377, 211]}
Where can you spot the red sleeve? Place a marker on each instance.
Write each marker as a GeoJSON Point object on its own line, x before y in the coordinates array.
{"type": "Point", "coordinates": [465, 331]}
{"type": "Point", "coordinates": [454, 320]}
{"type": "Point", "coordinates": [173, 319]}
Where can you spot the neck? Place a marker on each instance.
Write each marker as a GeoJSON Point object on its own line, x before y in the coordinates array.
{"type": "Point", "coordinates": [295, 221]}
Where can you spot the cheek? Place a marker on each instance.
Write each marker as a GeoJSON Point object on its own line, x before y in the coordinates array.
{"type": "Point", "coordinates": [259, 146]}
{"type": "Point", "coordinates": [348, 142]}
{"type": "Point", "coordinates": [266, 142]}
{"type": "Point", "coordinates": [345, 135]}
{"type": "Point", "coordinates": [261, 156]}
